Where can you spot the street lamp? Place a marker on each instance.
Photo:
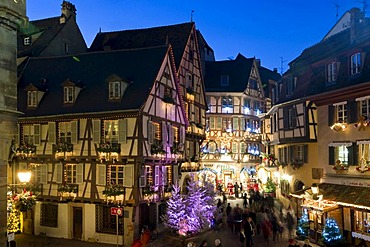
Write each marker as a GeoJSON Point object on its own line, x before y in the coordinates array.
{"type": "Point", "coordinates": [315, 188]}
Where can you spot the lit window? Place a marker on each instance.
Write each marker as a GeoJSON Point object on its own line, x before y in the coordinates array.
{"type": "Point", "coordinates": [69, 94]}
{"type": "Point", "coordinates": [227, 104]}
{"type": "Point", "coordinates": [111, 131]}
{"type": "Point", "coordinates": [71, 173]}
{"type": "Point", "coordinates": [331, 72]}
{"type": "Point", "coordinates": [114, 90]}
{"type": "Point", "coordinates": [292, 118]}
{"type": "Point", "coordinates": [65, 133]}
{"type": "Point", "coordinates": [364, 153]}
{"type": "Point", "coordinates": [28, 134]}
{"type": "Point", "coordinates": [355, 63]}
{"type": "Point", "coordinates": [116, 174]}
{"type": "Point", "coordinates": [32, 98]}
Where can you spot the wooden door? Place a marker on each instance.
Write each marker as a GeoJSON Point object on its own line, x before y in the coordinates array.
{"type": "Point", "coordinates": [77, 222]}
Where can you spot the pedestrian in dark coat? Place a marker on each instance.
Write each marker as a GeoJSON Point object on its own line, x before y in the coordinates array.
{"type": "Point", "coordinates": [248, 231]}
{"type": "Point", "coordinates": [245, 200]}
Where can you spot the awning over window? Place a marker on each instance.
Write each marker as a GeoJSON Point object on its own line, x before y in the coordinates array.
{"type": "Point", "coordinates": [338, 144]}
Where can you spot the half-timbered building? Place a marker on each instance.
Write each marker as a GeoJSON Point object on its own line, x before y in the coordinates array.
{"type": "Point", "coordinates": [235, 99]}
{"type": "Point", "coordinates": [334, 74]}
{"type": "Point", "coordinates": [100, 131]}
{"type": "Point", "coordinates": [184, 40]}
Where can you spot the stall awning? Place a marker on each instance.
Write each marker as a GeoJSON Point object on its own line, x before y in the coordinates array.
{"type": "Point", "coordinates": [345, 195]}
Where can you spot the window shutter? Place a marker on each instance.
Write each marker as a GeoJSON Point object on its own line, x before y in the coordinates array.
{"type": "Point", "coordinates": [59, 173]}
{"type": "Point", "coordinates": [291, 155]}
{"type": "Point", "coordinates": [36, 134]}
{"type": "Point", "coordinates": [150, 132]}
{"type": "Point", "coordinates": [96, 124]}
{"type": "Point", "coordinates": [331, 115]}
{"type": "Point", "coordinates": [175, 173]}
{"type": "Point", "coordinates": [211, 123]}
{"type": "Point", "coordinates": [44, 174]}
{"type": "Point", "coordinates": [331, 156]}
{"type": "Point", "coordinates": [234, 148]}
{"type": "Point", "coordinates": [171, 132]}
{"type": "Point", "coordinates": [235, 123]}
{"type": "Point", "coordinates": [285, 118]}
{"type": "Point", "coordinates": [51, 132]}
{"type": "Point", "coordinates": [74, 132]}
{"type": "Point", "coordinates": [122, 128]}
{"type": "Point", "coordinates": [101, 174]}
{"type": "Point", "coordinates": [164, 175]}
{"type": "Point", "coordinates": [305, 153]}
{"type": "Point", "coordinates": [242, 148]}
{"type": "Point", "coordinates": [242, 122]}
{"type": "Point", "coordinates": [164, 134]}
{"type": "Point", "coordinates": [352, 154]}
{"type": "Point", "coordinates": [182, 137]}
{"type": "Point", "coordinates": [79, 173]}
{"type": "Point", "coordinates": [16, 136]}
{"type": "Point", "coordinates": [352, 111]}
{"type": "Point", "coordinates": [128, 180]}
{"type": "Point", "coordinates": [142, 181]}
{"type": "Point", "coordinates": [156, 175]}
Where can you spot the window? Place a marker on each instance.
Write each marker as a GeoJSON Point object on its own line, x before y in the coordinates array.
{"type": "Point", "coordinates": [285, 187]}
{"type": "Point", "coordinates": [116, 173]}
{"type": "Point", "coordinates": [292, 118]}
{"type": "Point", "coordinates": [341, 112]}
{"type": "Point", "coordinates": [71, 173]}
{"type": "Point", "coordinates": [36, 171]}
{"type": "Point", "coordinates": [28, 134]}
{"type": "Point", "coordinates": [224, 80]}
{"type": "Point", "coordinates": [65, 133]}
{"type": "Point", "coordinates": [364, 152]}
{"type": "Point", "coordinates": [111, 131]}
{"type": "Point", "coordinates": [227, 104]}
{"type": "Point", "coordinates": [362, 221]}
{"type": "Point", "coordinates": [105, 222]}
{"type": "Point", "coordinates": [355, 63]}
{"type": "Point", "coordinates": [114, 90]}
{"type": "Point", "coordinates": [341, 153]}
{"type": "Point", "coordinates": [331, 72]}
{"type": "Point", "coordinates": [69, 94]}
{"type": "Point", "coordinates": [253, 84]}
{"type": "Point", "coordinates": [27, 41]}
{"type": "Point", "coordinates": [66, 47]}
{"type": "Point", "coordinates": [49, 215]}
{"type": "Point", "coordinates": [290, 85]}
{"type": "Point", "coordinates": [189, 81]}
{"type": "Point", "coordinates": [365, 107]}
{"type": "Point", "coordinates": [32, 99]}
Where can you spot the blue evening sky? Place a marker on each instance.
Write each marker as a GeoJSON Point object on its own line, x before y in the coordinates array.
{"type": "Point", "coordinates": [271, 30]}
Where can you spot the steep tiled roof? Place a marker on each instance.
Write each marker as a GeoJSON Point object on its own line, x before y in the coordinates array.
{"type": "Point", "coordinates": [176, 35]}
{"type": "Point", "coordinates": [238, 71]}
{"type": "Point", "coordinates": [90, 71]}
{"type": "Point", "coordinates": [48, 28]}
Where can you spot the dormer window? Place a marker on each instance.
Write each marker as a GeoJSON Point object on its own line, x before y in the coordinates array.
{"type": "Point", "coordinates": [355, 63]}
{"type": "Point", "coordinates": [114, 90]}
{"type": "Point", "coordinates": [331, 73]}
{"type": "Point", "coordinates": [27, 41]}
{"type": "Point", "coordinates": [32, 99]}
{"type": "Point", "coordinates": [69, 94]}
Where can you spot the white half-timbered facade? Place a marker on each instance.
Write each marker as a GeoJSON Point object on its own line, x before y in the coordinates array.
{"type": "Point", "coordinates": [94, 124]}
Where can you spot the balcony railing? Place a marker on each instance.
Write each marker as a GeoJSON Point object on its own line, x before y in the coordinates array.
{"type": "Point", "coordinates": [109, 151]}
{"type": "Point", "coordinates": [62, 150]}
{"type": "Point", "coordinates": [26, 150]}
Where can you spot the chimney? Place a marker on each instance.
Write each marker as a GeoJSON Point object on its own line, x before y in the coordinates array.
{"type": "Point", "coordinates": [355, 19]}
{"type": "Point", "coordinates": [275, 70]}
{"type": "Point", "coordinates": [258, 62]}
{"type": "Point", "coordinates": [68, 9]}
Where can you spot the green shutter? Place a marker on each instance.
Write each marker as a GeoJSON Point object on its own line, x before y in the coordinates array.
{"type": "Point", "coordinates": [37, 134]}
{"type": "Point", "coordinates": [128, 180]}
{"type": "Point", "coordinates": [122, 130]}
{"type": "Point", "coordinates": [235, 123]}
{"type": "Point", "coordinates": [332, 156]}
{"type": "Point", "coordinates": [101, 173]}
{"type": "Point", "coordinates": [51, 132]}
{"type": "Point", "coordinates": [352, 154]}
{"type": "Point", "coordinates": [59, 173]}
{"type": "Point", "coordinates": [352, 109]}
{"type": "Point", "coordinates": [96, 124]}
{"type": "Point", "coordinates": [219, 123]}
{"type": "Point", "coordinates": [79, 173]}
{"type": "Point", "coordinates": [331, 115]}
{"type": "Point", "coordinates": [74, 132]}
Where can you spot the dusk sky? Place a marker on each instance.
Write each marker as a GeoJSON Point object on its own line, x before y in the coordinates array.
{"type": "Point", "coordinates": [270, 30]}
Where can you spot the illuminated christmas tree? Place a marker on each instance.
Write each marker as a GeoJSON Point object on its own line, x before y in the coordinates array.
{"type": "Point", "coordinates": [303, 226]}
{"type": "Point", "coordinates": [175, 209]}
{"type": "Point", "coordinates": [331, 233]}
{"type": "Point", "coordinates": [13, 224]}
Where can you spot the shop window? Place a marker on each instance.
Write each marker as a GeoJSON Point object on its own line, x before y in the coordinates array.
{"type": "Point", "coordinates": [49, 215]}
{"type": "Point", "coordinates": [362, 222]}
{"type": "Point", "coordinates": [105, 222]}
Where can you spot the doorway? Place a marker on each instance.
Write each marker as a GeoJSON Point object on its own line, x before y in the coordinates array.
{"type": "Point", "coordinates": [77, 222]}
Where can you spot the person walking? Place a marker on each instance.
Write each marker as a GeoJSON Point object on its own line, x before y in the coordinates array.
{"type": "Point", "coordinates": [204, 243]}
{"type": "Point", "coordinates": [245, 200]}
{"type": "Point", "coordinates": [290, 224]}
{"type": "Point", "coordinates": [218, 243]}
{"type": "Point", "coordinates": [266, 231]}
{"type": "Point", "coordinates": [248, 232]}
